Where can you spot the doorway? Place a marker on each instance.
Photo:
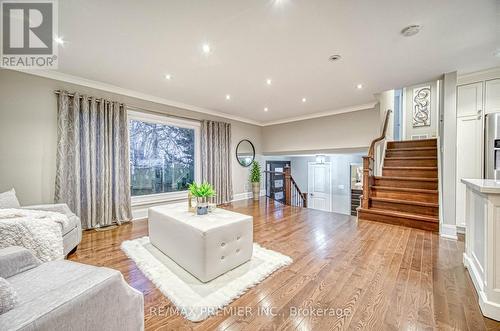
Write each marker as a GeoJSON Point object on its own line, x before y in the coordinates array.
{"type": "Point", "coordinates": [319, 186]}
{"type": "Point", "coordinates": [275, 180]}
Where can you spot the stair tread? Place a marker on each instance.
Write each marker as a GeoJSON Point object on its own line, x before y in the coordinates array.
{"type": "Point", "coordinates": [406, 202]}
{"type": "Point", "coordinates": [412, 148]}
{"type": "Point", "coordinates": [411, 158]}
{"type": "Point", "coordinates": [424, 218]}
{"type": "Point", "coordinates": [416, 168]}
{"type": "Point", "coordinates": [407, 178]}
{"type": "Point", "coordinates": [407, 189]}
{"type": "Point", "coordinates": [407, 141]}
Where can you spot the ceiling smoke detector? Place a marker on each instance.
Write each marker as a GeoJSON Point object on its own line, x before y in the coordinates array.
{"type": "Point", "coordinates": [411, 30]}
{"type": "Point", "coordinates": [335, 57]}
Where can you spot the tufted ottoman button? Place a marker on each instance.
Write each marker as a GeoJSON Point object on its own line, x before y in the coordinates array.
{"type": "Point", "coordinates": [222, 244]}
{"type": "Point", "coordinates": [238, 238]}
{"type": "Point", "coordinates": [222, 257]}
{"type": "Point", "coordinates": [237, 250]}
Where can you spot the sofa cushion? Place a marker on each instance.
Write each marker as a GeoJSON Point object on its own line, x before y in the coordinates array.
{"type": "Point", "coordinates": [8, 296]}
{"type": "Point", "coordinates": [9, 199]}
{"type": "Point", "coordinates": [15, 259]}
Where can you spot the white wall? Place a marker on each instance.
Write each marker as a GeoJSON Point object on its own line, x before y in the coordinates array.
{"type": "Point", "coordinates": [28, 133]}
{"type": "Point", "coordinates": [386, 101]}
{"type": "Point", "coordinates": [340, 174]}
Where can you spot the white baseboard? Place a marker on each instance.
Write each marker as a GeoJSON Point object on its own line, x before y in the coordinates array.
{"type": "Point", "coordinates": [242, 196]}
{"type": "Point", "coordinates": [461, 229]}
{"type": "Point", "coordinates": [448, 231]}
{"type": "Point", "coordinates": [139, 213]}
{"type": "Point", "coordinates": [246, 195]}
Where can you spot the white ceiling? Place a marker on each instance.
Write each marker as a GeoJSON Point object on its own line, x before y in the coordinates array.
{"type": "Point", "coordinates": [132, 44]}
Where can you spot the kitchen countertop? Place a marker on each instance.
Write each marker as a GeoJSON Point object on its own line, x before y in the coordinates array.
{"type": "Point", "coordinates": [490, 186]}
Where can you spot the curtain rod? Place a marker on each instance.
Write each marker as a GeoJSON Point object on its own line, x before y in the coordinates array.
{"type": "Point", "coordinates": [140, 108]}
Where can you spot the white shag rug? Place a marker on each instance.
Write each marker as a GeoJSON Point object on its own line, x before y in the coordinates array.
{"type": "Point", "coordinates": [196, 300]}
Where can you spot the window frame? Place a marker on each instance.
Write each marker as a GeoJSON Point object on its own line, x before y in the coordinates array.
{"type": "Point", "coordinates": [147, 199]}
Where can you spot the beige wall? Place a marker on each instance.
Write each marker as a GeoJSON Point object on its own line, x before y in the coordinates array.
{"type": "Point", "coordinates": [28, 133]}
{"type": "Point", "coordinates": [352, 131]}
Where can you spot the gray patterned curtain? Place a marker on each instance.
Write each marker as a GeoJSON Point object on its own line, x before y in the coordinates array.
{"type": "Point", "coordinates": [216, 158]}
{"type": "Point", "coordinates": [93, 175]}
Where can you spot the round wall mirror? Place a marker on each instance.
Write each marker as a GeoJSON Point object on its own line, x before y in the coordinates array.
{"type": "Point", "coordinates": [245, 153]}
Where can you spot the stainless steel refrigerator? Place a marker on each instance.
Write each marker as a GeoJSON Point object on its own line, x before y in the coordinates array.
{"type": "Point", "coordinates": [492, 147]}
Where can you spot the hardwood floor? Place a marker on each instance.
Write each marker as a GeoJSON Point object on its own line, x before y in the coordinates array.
{"type": "Point", "coordinates": [365, 275]}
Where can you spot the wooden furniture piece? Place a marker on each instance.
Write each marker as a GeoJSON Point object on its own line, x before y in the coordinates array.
{"type": "Point", "coordinates": [482, 235]}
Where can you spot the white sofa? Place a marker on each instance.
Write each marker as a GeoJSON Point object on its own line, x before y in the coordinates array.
{"type": "Point", "coordinates": [64, 295]}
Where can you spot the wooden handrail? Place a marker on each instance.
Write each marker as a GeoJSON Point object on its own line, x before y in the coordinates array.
{"type": "Point", "coordinates": [369, 164]}
{"type": "Point", "coordinates": [371, 151]}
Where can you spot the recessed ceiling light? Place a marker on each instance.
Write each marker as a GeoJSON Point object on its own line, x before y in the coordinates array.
{"type": "Point", "coordinates": [269, 81]}
{"type": "Point", "coordinates": [335, 57]}
{"type": "Point", "coordinates": [411, 30]}
{"type": "Point", "coordinates": [59, 40]}
{"type": "Point", "coordinates": [206, 48]}
{"type": "Point", "coordinates": [359, 86]}
{"type": "Point", "coordinates": [168, 76]}
{"type": "Point", "coordinates": [228, 97]}
{"type": "Point", "coordinates": [304, 99]}
{"type": "Point", "coordinates": [266, 109]}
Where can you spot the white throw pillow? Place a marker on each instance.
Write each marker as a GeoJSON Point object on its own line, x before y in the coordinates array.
{"type": "Point", "coordinates": [8, 296]}
{"type": "Point", "coordinates": [9, 199]}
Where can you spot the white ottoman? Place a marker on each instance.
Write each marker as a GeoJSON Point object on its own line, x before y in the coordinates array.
{"type": "Point", "coordinates": [206, 246]}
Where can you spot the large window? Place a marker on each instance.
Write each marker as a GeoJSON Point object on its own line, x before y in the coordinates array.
{"type": "Point", "coordinates": [163, 155]}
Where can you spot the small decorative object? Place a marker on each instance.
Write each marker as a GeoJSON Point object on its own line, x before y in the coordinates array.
{"type": "Point", "coordinates": [422, 106]}
{"type": "Point", "coordinates": [202, 192]}
{"type": "Point", "coordinates": [191, 207]}
{"type": "Point", "coordinates": [255, 179]}
{"type": "Point", "coordinates": [211, 207]}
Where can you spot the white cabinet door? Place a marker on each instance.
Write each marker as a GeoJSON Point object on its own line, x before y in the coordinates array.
{"type": "Point", "coordinates": [469, 146]}
{"type": "Point", "coordinates": [492, 96]}
{"type": "Point", "coordinates": [469, 99]}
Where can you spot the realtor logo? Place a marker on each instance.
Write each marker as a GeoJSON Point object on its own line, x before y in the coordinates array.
{"type": "Point", "coordinates": [28, 32]}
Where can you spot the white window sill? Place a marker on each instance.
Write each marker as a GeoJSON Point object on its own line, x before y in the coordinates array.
{"type": "Point", "coordinates": [141, 200]}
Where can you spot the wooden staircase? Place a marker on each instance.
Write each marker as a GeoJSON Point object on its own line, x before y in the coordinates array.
{"type": "Point", "coordinates": [407, 192]}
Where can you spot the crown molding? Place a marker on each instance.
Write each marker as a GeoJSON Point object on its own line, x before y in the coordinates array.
{"type": "Point", "coordinates": [323, 114]}
{"type": "Point", "coordinates": [473, 77]}
{"type": "Point", "coordinates": [56, 75]}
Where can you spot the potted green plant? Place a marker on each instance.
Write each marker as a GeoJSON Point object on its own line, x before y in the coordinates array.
{"type": "Point", "coordinates": [202, 192]}
{"type": "Point", "coordinates": [255, 179]}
